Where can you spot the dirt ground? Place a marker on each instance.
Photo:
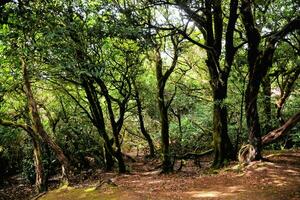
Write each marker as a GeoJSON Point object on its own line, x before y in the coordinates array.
{"type": "Point", "coordinates": [275, 179]}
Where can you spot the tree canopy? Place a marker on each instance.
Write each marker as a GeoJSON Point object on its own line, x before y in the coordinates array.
{"type": "Point", "coordinates": [84, 84]}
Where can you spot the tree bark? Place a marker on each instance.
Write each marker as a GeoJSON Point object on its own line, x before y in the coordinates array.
{"type": "Point", "coordinates": [141, 120]}
{"type": "Point", "coordinates": [163, 106]}
{"type": "Point", "coordinates": [40, 179]}
{"type": "Point", "coordinates": [99, 123]}
{"type": "Point", "coordinates": [256, 75]}
{"type": "Point", "coordinates": [115, 124]}
{"type": "Point", "coordinates": [38, 126]}
{"type": "Point", "coordinates": [222, 144]}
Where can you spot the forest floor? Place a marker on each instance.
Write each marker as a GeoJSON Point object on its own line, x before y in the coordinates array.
{"type": "Point", "coordinates": [275, 179]}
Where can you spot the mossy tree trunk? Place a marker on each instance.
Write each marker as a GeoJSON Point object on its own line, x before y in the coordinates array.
{"type": "Point", "coordinates": [38, 126]}
{"type": "Point", "coordinates": [211, 24]}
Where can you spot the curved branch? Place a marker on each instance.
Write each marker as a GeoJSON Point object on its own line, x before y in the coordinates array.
{"type": "Point", "coordinates": [25, 127]}
{"type": "Point", "coordinates": [281, 131]}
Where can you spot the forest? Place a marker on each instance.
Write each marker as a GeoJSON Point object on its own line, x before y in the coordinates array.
{"type": "Point", "coordinates": [149, 99]}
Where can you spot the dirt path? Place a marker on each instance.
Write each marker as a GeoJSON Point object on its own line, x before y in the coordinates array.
{"type": "Point", "coordinates": [275, 180]}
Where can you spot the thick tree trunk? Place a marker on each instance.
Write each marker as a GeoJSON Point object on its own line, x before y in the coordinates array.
{"type": "Point", "coordinates": [109, 160]}
{"type": "Point", "coordinates": [119, 156]}
{"type": "Point", "coordinates": [141, 120]}
{"type": "Point", "coordinates": [256, 74]}
{"type": "Point", "coordinates": [118, 153]}
{"type": "Point", "coordinates": [211, 24]}
{"type": "Point", "coordinates": [38, 126]}
{"type": "Point", "coordinates": [281, 131]}
{"type": "Point", "coordinates": [259, 62]}
{"type": "Point", "coordinates": [254, 131]}
{"type": "Point", "coordinates": [223, 148]}
{"type": "Point", "coordinates": [167, 164]}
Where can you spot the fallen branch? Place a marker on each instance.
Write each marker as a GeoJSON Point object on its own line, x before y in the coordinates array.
{"type": "Point", "coordinates": [193, 155]}
{"type": "Point", "coordinates": [281, 131]}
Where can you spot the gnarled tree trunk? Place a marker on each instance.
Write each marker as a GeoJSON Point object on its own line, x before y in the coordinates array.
{"type": "Point", "coordinates": [38, 126]}
{"type": "Point", "coordinates": [211, 24]}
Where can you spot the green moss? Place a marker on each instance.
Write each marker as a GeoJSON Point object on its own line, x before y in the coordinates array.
{"type": "Point", "coordinates": [91, 193]}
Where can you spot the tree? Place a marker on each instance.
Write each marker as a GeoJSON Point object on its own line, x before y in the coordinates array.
{"type": "Point", "coordinates": [40, 181]}
{"type": "Point", "coordinates": [163, 105]}
{"type": "Point", "coordinates": [208, 17]}
{"type": "Point", "coordinates": [38, 126]}
{"type": "Point", "coordinates": [141, 119]}
{"type": "Point", "coordinates": [259, 61]}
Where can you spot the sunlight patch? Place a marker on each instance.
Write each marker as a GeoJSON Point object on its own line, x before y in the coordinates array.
{"type": "Point", "coordinates": [201, 194]}
{"type": "Point", "coordinates": [154, 182]}
{"type": "Point", "coordinates": [90, 189]}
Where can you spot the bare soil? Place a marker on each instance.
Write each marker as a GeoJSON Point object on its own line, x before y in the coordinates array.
{"type": "Point", "coordinates": [278, 178]}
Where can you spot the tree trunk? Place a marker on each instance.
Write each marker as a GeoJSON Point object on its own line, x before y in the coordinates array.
{"type": "Point", "coordinates": [141, 120]}
{"type": "Point", "coordinates": [211, 23]}
{"type": "Point", "coordinates": [119, 156]}
{"type": "Point", "coordinates": [115, 124]}
{"type": "Point", "coordinates": [259, 60]}
{"type": "Point", "coordinates": [40, 179]}
{"type": "Point", "coordinates": [163, 111]}
{"type": "Point", "coordinates": [109, 160]}
{"type": "Point", "coordinates": [222, 144]}
{"type": "Point", "coordinates": [38, 126]}
{"type": "Point", "coordinates": [253, 124]}
{"type": "Point", "coordinates": [118, 153]}
{"type": "Point", "coordinates": [167, 164]}
{"type": "Point", "coordinates": [281, 131]}
{"type": "Point", "coordinates": [98, 121]}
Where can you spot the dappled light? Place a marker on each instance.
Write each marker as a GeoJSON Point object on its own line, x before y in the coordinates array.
{"type": "Point", "coordinates": [224, 192]}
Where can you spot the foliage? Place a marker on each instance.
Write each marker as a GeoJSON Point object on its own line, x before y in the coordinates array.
{"type": "Point", "coordinates": [69, 43]}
